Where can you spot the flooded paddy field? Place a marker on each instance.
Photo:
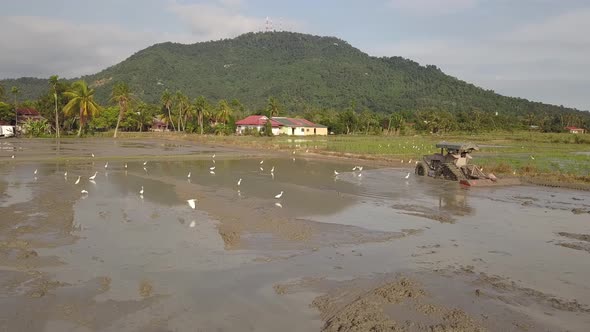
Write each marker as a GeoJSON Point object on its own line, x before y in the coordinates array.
{"type": "Point", "coordinates": [361, 250]}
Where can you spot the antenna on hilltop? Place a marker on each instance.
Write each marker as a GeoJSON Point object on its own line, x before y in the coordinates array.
{"type": "Point", "coordinates": [269, 26]}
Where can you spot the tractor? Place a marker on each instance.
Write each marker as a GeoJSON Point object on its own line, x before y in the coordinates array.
{"type": "Point", "coordinates": [452, 163]}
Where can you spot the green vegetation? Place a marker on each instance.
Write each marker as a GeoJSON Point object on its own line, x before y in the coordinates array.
{"type": "Point", "coordinates": [35, 128]}
{"type": "Point", "coordinates": [320, 77]}
{"type": "Point", "coordinates": [82, 101]}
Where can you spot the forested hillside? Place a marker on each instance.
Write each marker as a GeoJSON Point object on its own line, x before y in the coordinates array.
{"type": "Point", "coordinates": [301, 71]}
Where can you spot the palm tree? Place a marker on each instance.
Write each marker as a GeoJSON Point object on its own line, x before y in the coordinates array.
{"type": "Point", "coordinates": [166, 100]}
{"type": "Point", "coordinates": [200, 105]}
{"type": "Point", "coordinates": [144, 114]}
{"type": "Point", "coordinates": [82, 100]}
{"type": "Point", "coordinates": [273, 107]}
{"type": "Point", "coordinates": [53, 83]}
{"type": "Point", "coordinates": [121, 95]}
{"type": "Point", "coordinates": [182, 103]}
{"type": "Point", "coordinates": [224, 112]}
{"type": "Point", "coordinates": [15, 92]}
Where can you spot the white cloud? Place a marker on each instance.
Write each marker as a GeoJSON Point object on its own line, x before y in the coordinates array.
{"type": "Point", "coordinates": [536, 54]}
{"type": "Point", "coordinates": [40, 46]}
{"type": "Point", "coordinates": [222, 19]}
{"type": "Point", "coordinates": [432, 7]}
{"type": "Point", "coordinates": [209, 22]}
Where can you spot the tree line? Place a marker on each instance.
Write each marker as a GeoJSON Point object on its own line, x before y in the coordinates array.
{"type": "Point", "coordinates": [71, 107]}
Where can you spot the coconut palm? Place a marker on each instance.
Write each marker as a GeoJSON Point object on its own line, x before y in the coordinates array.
{"type": "Point", "coordinates": [273, 107]}
{"type": "Point", "coordinates": [166, 100]}
{"type": "Point", "coordinates": [121, 95]}
{"type": "Point", "coordinates": [53, 83]}
{"type": "Point", "coordinates": [81, 100]}
{"type": "Point", "coordinates": [200, 106]}
{"type": "Point", "coordinates": [15, 92]}
{"type": "Point", "coordinates": [182, 103]}
{"type": "Point", "coordinates": [224, 112]}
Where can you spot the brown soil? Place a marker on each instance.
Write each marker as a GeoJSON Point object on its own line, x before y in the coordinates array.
{"type": "Point", "coordinates": [146, 288]}
{"type": "Point", "coordinates": [510, 292]}
{"type": "Point", "coordinates": [346, 309]}
{"type": "Point", "coordinates": [424, 212]}
{"type": "Point", "coordinates": [577, 246]}
{"type": "Point", "coordinates": [581, 237]}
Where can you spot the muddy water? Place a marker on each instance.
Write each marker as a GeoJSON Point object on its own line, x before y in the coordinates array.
{"type": "Point", "coordinates": [509, 258]}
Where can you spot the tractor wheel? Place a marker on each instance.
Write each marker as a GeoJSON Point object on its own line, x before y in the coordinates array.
{"type": "Point", "coordinates": [450, 172]}
{"type": "Point", "coordinates": [420, 169]}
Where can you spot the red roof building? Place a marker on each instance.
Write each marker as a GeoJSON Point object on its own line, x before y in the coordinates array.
{"type": "Point", "coordinates": [280, 125]}
{"type": "Point", "coordinates": [25, 114]}
{"type": "Point", "coordinates": [575, 130]}
{"type": "Point", "coordinates": [256, 121]}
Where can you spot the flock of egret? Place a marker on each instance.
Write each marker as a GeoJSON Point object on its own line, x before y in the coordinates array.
{"type": "Point", "coordinates": [357, 170]}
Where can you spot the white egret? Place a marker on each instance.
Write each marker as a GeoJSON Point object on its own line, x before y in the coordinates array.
{"type": "Point", "coordinates": [212, 172]}
{"type": "Point", "coordinates": [213, 160]}
{"type": "Point", "coordinates": [409, 162]}
{"type": "Point", "coordinates": [145, 169]}
{"type": "Point", "coordinates": [192, 224]}
{"type": "Point", "coordinates": [261, 162]}
{"type": "Point", "coordinates": [533, 158]}
{"type": "Point", "coordinates": [277, 204]}
{"type": "Point", "coordinates": [261, 169]}
{"type": "Point", "coordinates": [125, 165]}
{"type": "Point", "coordinates": [141, 191]}
{"type": "Point", "coordinates": [239, 182]}
{"type": "Point", "coordinates": [191, 203]}
{"type": "Point", "coordinates": [279, 195]}
{"type": "Point", "coordinates": [145, 163]}
{"type": "Point", "coordinates": [360, 174]}
{"type": "Point", "coordinates": [93, 177]}
{"type": "Point", "coordinates": [78, 181]}
{"type": "Point", "coordinates": [12, 157]}
{"type": "Point", "coordinates": [336, 173]}
{"type": "Point", "coordinates": [35, 172]}
{"type": "Point", "coordinates": [293, 159]}
{"type": "Point", "coordinates": [407, 175]}
{"type": "Point", "coordinates": [84, 192]}
{"type": "Point", "coordinates": [212, 168]}
{"type": "Point", "coordinates": [213, 156]}
{"type": "Point", "coordinates": [106, 165]}
{"type": "Point", "coordinates": [402, 161]}
{"type": "Point", "coordinates": [272, 170]}
{"type": "Point", "coordinates": [92, 155]}
{"type": "Point", "coordinates": [66, 174]}
{"type": "Point", "coordinates": [360, 168]}
{"type": "Point", "coordinates": [293, 151]}
{"type": "Point", "coordinates": [189, 175]}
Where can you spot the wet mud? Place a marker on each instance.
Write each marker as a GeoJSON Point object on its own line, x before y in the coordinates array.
{"type": "Point", "coordinates": [361, 250]}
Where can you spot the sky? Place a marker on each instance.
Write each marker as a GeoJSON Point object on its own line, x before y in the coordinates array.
{"type": "Point", "coordinates": [535, 49]}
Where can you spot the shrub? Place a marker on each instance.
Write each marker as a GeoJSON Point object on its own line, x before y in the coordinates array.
{"type": "Point", "coordinates": [36, 128]}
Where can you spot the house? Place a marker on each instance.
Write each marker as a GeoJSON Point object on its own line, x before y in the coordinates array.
{"type": "Point", "coordinates": [281, 126]}
{"type": "Point", "coordinates": [256, 122]}
{"type": "Point", "coordinates": [158, 125]}
{"type": "Point", "coordinates": [25, 114]}
{"type": "Point", "coordinates": [300, 127]}
{"type": "Point", "coordinates": [575, 130]}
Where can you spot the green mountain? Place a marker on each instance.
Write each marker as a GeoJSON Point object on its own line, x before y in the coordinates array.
{"type": "Point", "coordinates": [300, 70]}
